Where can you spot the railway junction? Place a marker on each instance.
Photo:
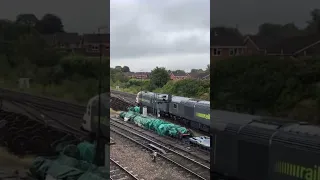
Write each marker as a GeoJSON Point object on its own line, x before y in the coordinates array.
{"type": "Point", "coordinates": [175, 157]}
{"type": "Point", "coordinates": [33, 126]}
{"type": "Point", "coordinates": [36, 126]}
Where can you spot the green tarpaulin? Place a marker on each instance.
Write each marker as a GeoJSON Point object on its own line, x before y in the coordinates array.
{"type": "Point", "coordinates": [161, 127]}
{"type": "Point", "coordinates": [86, 151]}
{"type": "Point", "coordinates": [73, 163]}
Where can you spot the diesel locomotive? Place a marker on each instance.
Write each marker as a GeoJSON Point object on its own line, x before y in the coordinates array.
{"type": "Point", "coordinates": [90, 117]}
{"type": "Point", "coordinates": [248, 147]}
{"type": "Point", "coordinates": [192, 112]}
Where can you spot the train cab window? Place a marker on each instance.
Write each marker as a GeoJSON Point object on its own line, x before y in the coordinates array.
{"type": "Point", "coordinates": [175, 106]}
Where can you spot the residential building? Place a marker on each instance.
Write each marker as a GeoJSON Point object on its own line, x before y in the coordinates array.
{"type": "Point", "coordinates": [87, 44]}
{"type": "Point", "coordinates": [67, 41]}
{"type": "Point", "coordinates": [129, 74]}
{"type": "Point", "coordinates": [257, 45]}
{"type": "Point", "coordinates": [226, 43]}
{"type": "Point", "coordinates": [91, 44]}
{"type": "Point", "coordinates": [200, 76]}
{"type": "Point", "coordinates": [298, 47]}
{"type": "Point", "coordinates": [179, 75]}
{"type": "Point", "coordinates": [138, 75]}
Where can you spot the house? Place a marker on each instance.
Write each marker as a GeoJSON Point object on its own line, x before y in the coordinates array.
{"type": "Point", "coordinates": [91, 44]}
{"type": "Point", "coordinates": [48, 39]}
{"type": "Point", "coordinates": [299, 47]}
{"type": "Point", "coordinates": [200, 76]}
{"type": "Point", "coordinates": [67, 41]}
{"type": "Point", "coordinates": [257, 45]}
{"type": "Point", "coordinates": [129, 74]}
{"type": "Point", "coordinates": [225, 43]}
{"type": "Point", "coordinates": [204, 76]}
{"type": "Point", "coordinates": [179, 75]}
{"type": "Point", "coordinates": [87, 44]}
{"type": "Point", "coordinates": [141, 75]}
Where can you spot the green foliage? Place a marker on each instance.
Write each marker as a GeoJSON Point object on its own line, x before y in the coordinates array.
{"type": "Point", "coordinates": [24, 54]}
{"type": "Point", "coordinates": [158, 78]}
{"type": "Point", "coordinates": [187, 88]}
{"type": "Point", "coordinates": [117, 75]}
{"type": "Point", "coordinates": [49, 24]}
{"type": "Point", "coordinates": [27, 19]}
{"type": "Point", "coordinates": [251, 84]}
{"type": "Point", "coordinates": [160, 82]}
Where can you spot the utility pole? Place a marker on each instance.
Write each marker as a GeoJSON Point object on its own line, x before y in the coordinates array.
{"type": "Point", "coordinates": [141, 107]}
{"type": "Point", "coordinates": [100, 148]}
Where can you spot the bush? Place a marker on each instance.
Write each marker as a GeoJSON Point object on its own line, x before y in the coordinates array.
{"type": "Point", "coordinates": [252, 84]}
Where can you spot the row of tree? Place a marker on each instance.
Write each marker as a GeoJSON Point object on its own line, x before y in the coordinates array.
{"type": "Point", "coordinates": [48, 24]}
{"type": "Point", "coordinates": [127, 69]}
{"type": "Point", "coordinates": [159, 81]}
{"type": "Point", "coordinates": [24, 53]}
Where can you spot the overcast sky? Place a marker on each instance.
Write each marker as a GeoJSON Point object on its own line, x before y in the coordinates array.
{"type": "Point", "coordinates": [174, 34]}
{"type": "Point", "coordinates": [249, 14]}
{"type": "Point", "coordinates": [81, 16]}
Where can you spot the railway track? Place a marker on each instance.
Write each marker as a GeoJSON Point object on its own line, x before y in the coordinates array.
{"type": "Point", "coordinates": [119, 103]}
{"type": "Point", "coordinates": [27, 125]}
{"type": "Point", "coordinates": [37, 113]}
{"type": "Point", "coordinates": [184, 147]}
{"type": "Point", "coordinates": [119, 172]}
{"type": "Point", "coordinates": [122, 100]}
{"type": "Point", "coordinates": [130, 97]}
{"type": "Point", "coordinates": [183, 161]}
{"type": "Point", "coordinates": [6, 94]}
{"type": "Point", "coordinates": [23, 135]}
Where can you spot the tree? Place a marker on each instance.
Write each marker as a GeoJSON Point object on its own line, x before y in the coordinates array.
{"type": "Point", "coordinates": [117, 75]}
{"type": "Point", "coordinates": [276, 31]}
{"type": "Point", "coordinates": [269, 30]}
{"type": "Point", "coordinates": [179, 71]}
{"type": "Point", "coordinates": [208, 68]}
{"type": "Point", "coordinates": [158, 78]}
{"type": "Point", "coordinates": [118, 68]}
{"type": "Point", "coordinates": [314, 25]}
{"type": "Point", "coordinates": [225, 31]}
{"type": "Point", "coordinates": [196, 71]}
{"type": "Point", "coordinates": [27, 19]}
{"type": "Point", "coordinates": [49, 24]}
{"type": "Point", "coordinates": [125, 69]}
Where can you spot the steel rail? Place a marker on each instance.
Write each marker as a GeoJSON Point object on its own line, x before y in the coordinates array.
{"type": "Point", "coordinates": [117, 172]}
{"type": "Point", "coordinates": [200, 171]}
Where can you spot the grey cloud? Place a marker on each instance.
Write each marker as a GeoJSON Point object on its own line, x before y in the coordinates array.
{"type": "Point", "coordinates": [147, 22]}
{"type": "Point", "coordinates": [81, 16]}
{"type": "Point", "coordinates": [249, 14]}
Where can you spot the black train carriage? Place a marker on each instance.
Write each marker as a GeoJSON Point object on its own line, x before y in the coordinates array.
{"type": "Point", "coordinates": [192, 112]}
{"type": "Point", "coordinates": [251, 147]}
{"type": "Point", "coordinates": [164, 105]}
{"type": "Point", "coordinates": [177, 108]}
{"type": "Point", "coordinates": [105, 114]}
{"type": "Point", "coordinates": [202, 115]}
{"type": "Point", "coordinates": [295, 153]}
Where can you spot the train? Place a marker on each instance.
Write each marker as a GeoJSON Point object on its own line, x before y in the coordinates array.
{"type": "Point", "coordinates": [248, 147]}
{"type": "Point", "coordinates": [91, 115]}
{"type": "Point", "coordinates": [188, 111]}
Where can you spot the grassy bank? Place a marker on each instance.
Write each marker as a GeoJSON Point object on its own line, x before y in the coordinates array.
{"type": "Point", "coordinates": [73, 78]}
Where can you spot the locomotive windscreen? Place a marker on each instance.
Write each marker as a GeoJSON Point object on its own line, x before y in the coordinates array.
{"type": "Point", "coordinates": [105, 108]}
